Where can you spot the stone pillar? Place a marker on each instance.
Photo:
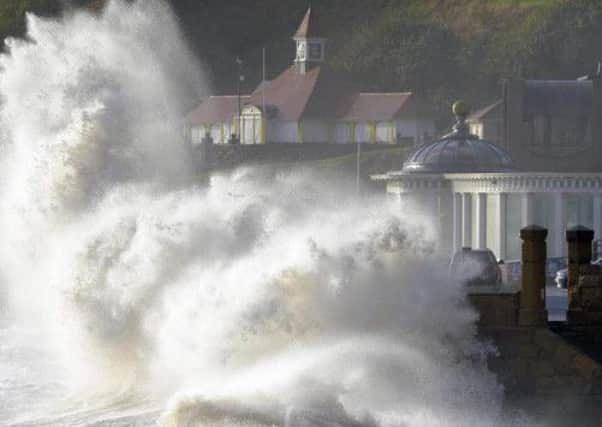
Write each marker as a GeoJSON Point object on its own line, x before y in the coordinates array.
{"type": "Point", "coordinates": [457, 221]}
{"type": "Point", "coordinates": [579, 240]}
{"type": "Point", "coordinates": [467, 220]}
{"type": "Point", "coordinates": [500, 225]}
{"type": "Point", "coordinates": [481, 221]}
{"type": "Point", "coordinates": [527, 206]}
{"type": "Point", "coordinates": [533, 281]}
{"type": "Point", "coordinates": [559, 224]}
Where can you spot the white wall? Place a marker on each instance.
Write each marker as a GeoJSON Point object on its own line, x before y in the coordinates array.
{"type": "Point", "coordinates": [341, 133]}
{"type": "Point", "coordinates": [362, 132]}
{"type": "Point", "coordinates": [197, 133]}
{"type": "Point", "coordinates": [283, 132]}
{"type": "Point", "coordinates": [221, 136]}
{"type": "Point", "coordinates": [476, 129]}
{"type": "Point", "coordinates": [315, 131]}
{"type": "Point", "coordinates": [383, 132]}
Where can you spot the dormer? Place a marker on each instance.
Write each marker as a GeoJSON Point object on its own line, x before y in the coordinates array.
{"type": "Point", "coordinates": [311, 47]}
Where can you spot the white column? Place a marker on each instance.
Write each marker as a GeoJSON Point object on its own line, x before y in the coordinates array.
{"type": "Point", "coordinates": [481, 221]}
{"type": "Point", "coordinates": [500, 225]}
{"type": "Point", "coordinates": [433, 211]}
{"type": "Point", "coordinates": [457, 225]}
{"type": "Point", "coordinates": [597, 215]}
{"type": "Point", "coordinates": [466, 219]}
{"type": "Point", "coordinates": [527, 206]}
{"type": "Point", "coordinates": [559, 225]}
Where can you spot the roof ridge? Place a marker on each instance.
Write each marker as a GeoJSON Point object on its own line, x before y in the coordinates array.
{"type": "Point", "coordinates": [386, 93]}
{"type": "Point", "coordinates": [228, 96]}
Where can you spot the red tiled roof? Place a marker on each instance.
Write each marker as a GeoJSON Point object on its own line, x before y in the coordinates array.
{"type": "Point", "coordinates": [381, 106]}
{"type": "Point", "coordinates": [215, 109]}
{"type": "Point", "coordinates": [490, 111]}
{"type": "Point", "coordinates": [309, 27]}
{"type": "Point", "coordinates": [318, 93]}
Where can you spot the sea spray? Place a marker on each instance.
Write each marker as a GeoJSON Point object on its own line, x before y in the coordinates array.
{"type": "Point", "coordinates": [89, 105]}
{"type": "Point", "coordinates": [263, 297]}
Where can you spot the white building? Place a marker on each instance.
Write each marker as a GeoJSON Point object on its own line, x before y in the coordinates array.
{"type": "Point", "coordinates": [488, 123]}
{"type": "Point", "coordinates": [474, 198]}
{"type": "Point", "coordinates": [311, 103]}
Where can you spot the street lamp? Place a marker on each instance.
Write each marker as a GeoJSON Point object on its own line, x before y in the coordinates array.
{"type": "Point", "coordinates": [240, 79]}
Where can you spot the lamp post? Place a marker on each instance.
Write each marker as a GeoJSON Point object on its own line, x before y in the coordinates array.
{"type": "Point", "coordinates": [240, 79]}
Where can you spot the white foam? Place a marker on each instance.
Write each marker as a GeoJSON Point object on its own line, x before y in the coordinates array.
{"type": "Point", "coordinates": [265, 296]}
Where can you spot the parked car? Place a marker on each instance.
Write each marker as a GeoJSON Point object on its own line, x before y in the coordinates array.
{"type": "Point", "coordinates": [476, 267]}
{"type": "Point", "coordinates": [562, 276]}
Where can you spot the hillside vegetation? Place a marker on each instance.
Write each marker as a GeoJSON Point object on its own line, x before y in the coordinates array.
{"type": "Point", "coordinates": [442, 49]}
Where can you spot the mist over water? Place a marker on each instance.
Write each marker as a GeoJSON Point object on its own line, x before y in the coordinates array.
{"type": "Point", "coordinates": [262, 298]}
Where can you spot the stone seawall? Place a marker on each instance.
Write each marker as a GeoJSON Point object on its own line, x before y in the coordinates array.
{"type": "Point", "coordinates": [225, 155]}
{"type": "Point", "coordinates": [547, 377]}
{"type": "Point", "coordinates": [551, 373]}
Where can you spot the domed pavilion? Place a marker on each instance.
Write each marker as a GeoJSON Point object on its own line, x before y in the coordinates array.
{"type": "Point", "coordinates": [459, 152]}
{"type": "Point", "coordinates": [474, 196]}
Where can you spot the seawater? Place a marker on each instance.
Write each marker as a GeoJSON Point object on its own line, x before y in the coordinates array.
{"type": "Point", "coordinates": [133, 295]}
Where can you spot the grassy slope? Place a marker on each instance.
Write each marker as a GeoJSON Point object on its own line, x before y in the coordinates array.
{"type": "Point", "coordinates": [440, 48]}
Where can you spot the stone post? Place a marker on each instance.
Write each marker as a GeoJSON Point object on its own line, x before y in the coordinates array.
{"type": "Point", "coordinates": [533, 281]}
{"type": "Point", "coordinates": [579, 242]}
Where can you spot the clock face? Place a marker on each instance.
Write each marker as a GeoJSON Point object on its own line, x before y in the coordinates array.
{"type": "Point", "coordinates": [301, 51]}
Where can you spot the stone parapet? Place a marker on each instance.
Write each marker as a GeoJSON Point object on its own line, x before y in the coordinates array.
{"type": "Point", "coordinates": [584, 279]}
{"type": "Point", "coordinates": [586, 297]}
{"type": "Point", "coordinates": [579, 241]}
{"type": "Point", "coordinates": [496, 308]}
{"type": "Point", "coordinates": [537, 361]}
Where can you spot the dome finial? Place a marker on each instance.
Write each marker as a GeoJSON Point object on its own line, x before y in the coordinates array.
{"type": "Point", "coordinates": [461, 110]}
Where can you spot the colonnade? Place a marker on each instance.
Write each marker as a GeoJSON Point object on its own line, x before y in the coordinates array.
{"type": "Point", "coordinates": [466, 204]}
{"type": "Point", "coordinates": [515, 200]}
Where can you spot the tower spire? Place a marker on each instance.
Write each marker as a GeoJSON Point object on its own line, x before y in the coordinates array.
{"type": "Point", "coordinates": [310, 42]}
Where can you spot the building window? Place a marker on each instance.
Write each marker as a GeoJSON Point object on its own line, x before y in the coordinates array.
{"type": "Point", "coordinates": [315, 51]}
{"type": "Point", "coordinates": [550, 131]}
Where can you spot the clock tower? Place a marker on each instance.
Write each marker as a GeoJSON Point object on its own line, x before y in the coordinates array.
{"type": "Point", "coordinates": [311, 47]}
